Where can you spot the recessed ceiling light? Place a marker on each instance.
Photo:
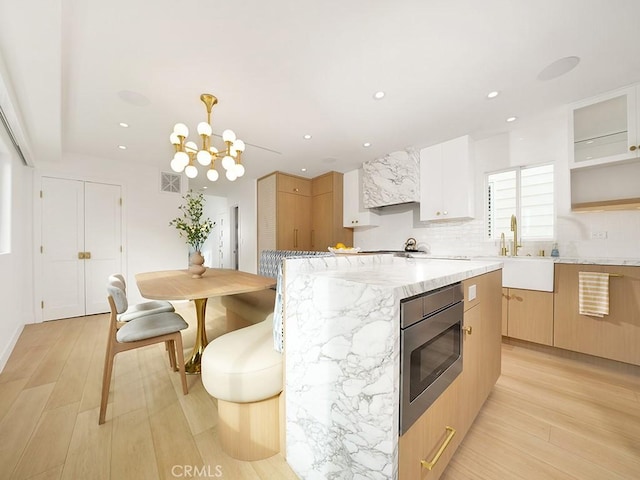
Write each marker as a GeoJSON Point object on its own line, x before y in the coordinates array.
{"type": "Point", "coordinates": [124, 125]}
{"type": "Point", "coordinates": [205, 187]}
{"type": "Point", "coordinates": [493, 94]}
{"type": "Point", "coordinates": [303, 169]}
{"type": "Point", "coordinates": [378, 95]}
{"type": "Point", "coordinates": [307, 137]}
{"type": "Point", "coordinates": [558, 68]}
{"type": "Point", "coordinates": [512, 119]}
{"type": "Point", "coordinates": [366, 144]}
{"type": "Point", "coordinates": [122, 147]}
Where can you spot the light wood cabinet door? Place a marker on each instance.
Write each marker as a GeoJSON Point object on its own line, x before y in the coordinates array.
{"type": "Point", "coordinates": [529, 315]}
{"type": "Point", "coordinates": [615, 336]}
{"type": "Point", "coordinates": [426, 436]}
{"type": "Point", "coordinates": [482, 343]}
{"type": "Point", "coordinates": [326, 212]}
{"type": "Point", "coordinates": [472, 365]}
{"type": "Point", "coordinates": [322, 228]}
{"type": "Point", "coordinates": [505, 311]}
{"type": "Point", "coordinates": [293, 184]}
{"type": "Point", "coordinates": [293, 222]}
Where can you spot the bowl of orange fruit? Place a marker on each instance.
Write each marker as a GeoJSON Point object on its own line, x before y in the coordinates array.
{"type": "Point", "coordinates": [341, 248]}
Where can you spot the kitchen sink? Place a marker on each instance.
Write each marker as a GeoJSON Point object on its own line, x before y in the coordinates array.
{"type": "Point", "coordinates": [528, 273]}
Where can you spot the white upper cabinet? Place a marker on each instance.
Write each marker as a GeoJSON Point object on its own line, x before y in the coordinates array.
{"type": "Point", "coordinates": [391, 180]}
{"type": "Point", "coordinates": [354, 212]}
{"type": "Point", "coordinates": [446, 180]}
{"type": "Point", "coordinates": [604, 129]}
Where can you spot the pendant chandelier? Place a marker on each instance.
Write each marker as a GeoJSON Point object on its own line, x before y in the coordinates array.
{"type": "Point", "coordinates": [187, 153]}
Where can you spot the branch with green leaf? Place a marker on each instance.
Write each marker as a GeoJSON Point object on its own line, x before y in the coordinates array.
{"type": "Point", "coordinates": [191, 225]}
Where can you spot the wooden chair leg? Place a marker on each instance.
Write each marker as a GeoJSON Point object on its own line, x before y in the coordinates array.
{"type": "Point", "coordinates": [171, 347]}
{"type": "Point", "coordinates": [106, 382]}
{"type": "Point", "coordinates": [180, 360]}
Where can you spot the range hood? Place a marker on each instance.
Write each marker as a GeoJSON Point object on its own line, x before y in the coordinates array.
{"type": "Point", "coordinates": [392, 179]}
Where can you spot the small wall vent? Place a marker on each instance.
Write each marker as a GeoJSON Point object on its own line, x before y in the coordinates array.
{"type": "Point", "coordinates": [170, 182]}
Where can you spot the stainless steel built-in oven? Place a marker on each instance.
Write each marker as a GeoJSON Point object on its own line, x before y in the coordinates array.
{"type": "Point", "coordinates": [430, 349]}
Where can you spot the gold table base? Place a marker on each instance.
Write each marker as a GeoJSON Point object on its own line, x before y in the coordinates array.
{"type": "Point", "coordinates": [192, 365]}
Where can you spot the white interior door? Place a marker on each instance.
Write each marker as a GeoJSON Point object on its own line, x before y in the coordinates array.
{"type": "Point", "coordinates": [102, 242]}
{"type": "Point", "coordinates": [224, 257]}
{"type": "Point", "coordinates": [62, 239]}
{"type": "Point", "coordinates": [81, 246]}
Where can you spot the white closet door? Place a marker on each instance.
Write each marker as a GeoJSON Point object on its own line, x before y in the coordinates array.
{"type": "Point", "coordinates": [81, 246]}
{"type": "Point", "coordinates": [62, 239]}
{"type": "Point", "coordinates": [102, 240]}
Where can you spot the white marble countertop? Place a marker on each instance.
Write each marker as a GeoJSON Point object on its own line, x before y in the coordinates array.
{"type": "Point", "coordinates": [409, 276]}
{"type": "Point", "coordinates": [631, 262]}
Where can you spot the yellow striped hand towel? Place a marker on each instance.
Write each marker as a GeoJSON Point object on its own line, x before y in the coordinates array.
{"type": "Point", "coordinates": [593, 293]}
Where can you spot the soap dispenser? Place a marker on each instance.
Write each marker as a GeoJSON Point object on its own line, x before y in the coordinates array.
{"type": "Point", "coordinates": [554, 250]}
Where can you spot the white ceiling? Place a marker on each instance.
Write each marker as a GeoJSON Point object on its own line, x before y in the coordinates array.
{"type": "Point", "coordinates": [285, 68]}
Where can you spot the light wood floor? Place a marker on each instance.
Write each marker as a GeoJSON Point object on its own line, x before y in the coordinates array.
{"type": "Point", "coordinates": [547, 417]}
{"type": "Point", "coordinates": [553, 416]}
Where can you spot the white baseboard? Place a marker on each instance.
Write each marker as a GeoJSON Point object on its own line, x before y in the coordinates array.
{"type": "Point", "coordinates": [8, 349]}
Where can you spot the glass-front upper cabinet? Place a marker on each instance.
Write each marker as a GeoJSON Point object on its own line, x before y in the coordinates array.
{"type": "Point", "coordinates": [605, 129]}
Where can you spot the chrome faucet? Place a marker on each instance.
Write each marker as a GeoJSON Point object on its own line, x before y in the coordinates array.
{"type": "Point", "coordinates": [514, 229]}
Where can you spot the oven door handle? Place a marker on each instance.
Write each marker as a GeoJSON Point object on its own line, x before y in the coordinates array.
{"type": "Point", "coordinates": [445, 444]}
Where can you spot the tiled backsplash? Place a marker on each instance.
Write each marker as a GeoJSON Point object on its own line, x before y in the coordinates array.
{"type": "Point", "coordinates": [574, 235]}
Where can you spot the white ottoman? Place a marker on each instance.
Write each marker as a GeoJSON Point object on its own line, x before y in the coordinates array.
{"type": "Point", "coordinates": [243, 371]}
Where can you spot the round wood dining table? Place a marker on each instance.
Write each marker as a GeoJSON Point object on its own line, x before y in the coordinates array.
{"type": "Point", "coordinates": [215, 282]}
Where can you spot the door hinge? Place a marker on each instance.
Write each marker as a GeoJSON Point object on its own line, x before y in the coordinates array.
{"type": "Point", "coordinates": [120, 201]}
{"type": "Point", "coordinates": [42, 304]}
{"type": "Point", "coordinates": [40, 193]}
{"type": "Point", "coordinates": [41, 249]}
{"type": "Point", "coordinates": [120, 248]}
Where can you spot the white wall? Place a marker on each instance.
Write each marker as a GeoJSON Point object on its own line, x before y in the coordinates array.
{"type": "Point", "coordinates": [541, 140]}
{"type": "Point", "coordinates": [16, 266]}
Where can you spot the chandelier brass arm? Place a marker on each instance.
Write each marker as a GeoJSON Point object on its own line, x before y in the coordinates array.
{"type": "Point", "coordinates": [187, 153]}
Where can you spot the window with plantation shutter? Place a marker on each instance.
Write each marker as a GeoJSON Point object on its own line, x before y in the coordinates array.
{"type": "Point", "coordinates": [527, 193]}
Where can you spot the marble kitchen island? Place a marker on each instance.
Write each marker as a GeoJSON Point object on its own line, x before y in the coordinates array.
{"type": "Point", "coordinates": [342, 357]}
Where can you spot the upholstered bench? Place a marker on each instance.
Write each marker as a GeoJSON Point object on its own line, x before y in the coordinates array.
{"type": "Point", "coordinates": [243, 372]}
{"type": "Point", "coordinates": [243, 368]}
{"type": "Point", "coordinates": [246, 309]}
{"type": "Point", "coordinates": [250, 308]}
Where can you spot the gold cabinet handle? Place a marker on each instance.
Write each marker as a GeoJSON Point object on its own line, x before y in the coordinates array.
{"type": "Point", "coordinates": [632, 147]}
{"type": "Point", "coordinates": [296, 189]}
{"type": "Point", "coordinates": [80, 255]}
{"type": "Point", "coordinates": [87, 255]}
{"type": "Point", "coordinates": [508, 297]}
{"type": "Point", "coordinates": [429, 465]}
{"type": "Point", "coordinates": [515, 297]}
{"type": "Point", "coordinates": [468, 330]}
